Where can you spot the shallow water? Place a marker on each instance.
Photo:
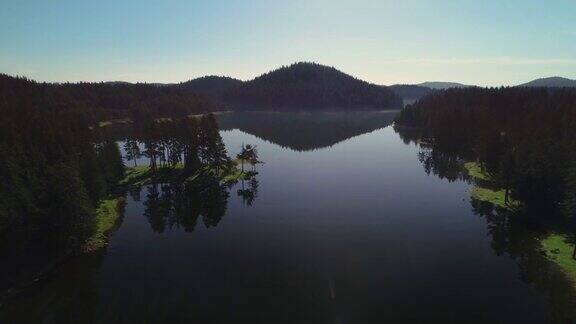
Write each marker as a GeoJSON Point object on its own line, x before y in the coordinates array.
{"type": "Point", "coordinates": [344, 228]}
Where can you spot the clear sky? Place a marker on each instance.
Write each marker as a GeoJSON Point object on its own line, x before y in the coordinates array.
{"type": "Point", "coordinates": [484, 42]}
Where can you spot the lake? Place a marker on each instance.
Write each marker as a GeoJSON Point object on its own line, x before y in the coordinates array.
{"type": "Point", "coordinates": [342, 224]}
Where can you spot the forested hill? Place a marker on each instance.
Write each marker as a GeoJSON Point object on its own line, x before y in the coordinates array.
{"type": "Point", "coordinates": [437, 85]}
{"type": "Point", "coordinates": [214, 86]}
{"type": "Point", "coordinates": [552, 82]}
{"type": "Point", "coordinates": [300, 86]}
{"type": "Point", "coordinates": [105, 100]}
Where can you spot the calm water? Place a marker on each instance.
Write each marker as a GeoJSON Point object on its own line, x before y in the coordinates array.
{"type": "Point", "coordinates": [343, 226]}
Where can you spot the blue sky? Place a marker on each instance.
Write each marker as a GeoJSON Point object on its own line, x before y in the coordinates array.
{"type": "Point", "coordinates": [477, 42]}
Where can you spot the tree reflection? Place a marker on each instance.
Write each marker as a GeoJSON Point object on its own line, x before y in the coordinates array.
{"type": "Point", "coordinates": [306, 131]}
{"type": "Point", "coordinates": [250, 192]}
{"type": "Point", "coordinates": [181, 204]}
{"type": "Point", "coordinates": [441, 164]}
{"type": "Point", "coordinates": [517, 234]}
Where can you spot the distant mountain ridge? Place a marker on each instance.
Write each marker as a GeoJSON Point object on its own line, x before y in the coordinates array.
{"type": "Point", "coordinates": [410, 92]}
{"type": "Point", "coordinates": [551, 82]}
{"type": "Point", "coordinates": [437, 85]}
{"type": "Point", "coordinates": [300, 86]}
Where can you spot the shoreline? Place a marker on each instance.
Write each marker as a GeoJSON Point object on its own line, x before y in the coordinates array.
{"type": "Point", "coordinates": [554, 246]}
{"type": "Point", "coordinates": [109, 214]}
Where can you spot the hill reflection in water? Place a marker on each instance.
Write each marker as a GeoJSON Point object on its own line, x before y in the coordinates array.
{"type": "Point", "coordinates": [306, 131]}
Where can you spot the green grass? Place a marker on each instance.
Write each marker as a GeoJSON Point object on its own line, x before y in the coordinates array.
{"type": "Point", "coordinates": [495, 197]}
{"type": "Point", "coordinates": [142, 175]}
{"type": "Point", "coordinates": [236, 175]}
{"type": "Point", "coordinates": [229, 175]}
{"type": "Point", "coordinates": [483, 193]}
{"type": "Point", "coordinates": [107, 215]}
{"type": "Point", "coordinates": [475, 171]}
{"type": "Point", "coordinates": [558, 250]}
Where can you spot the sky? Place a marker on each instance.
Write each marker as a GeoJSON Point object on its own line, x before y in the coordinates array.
{"type": "Point", "coordinates": [487, 43]}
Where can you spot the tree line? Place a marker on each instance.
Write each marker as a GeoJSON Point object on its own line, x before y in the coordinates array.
{"type": "Point", "coordinates": [54, 169]}
{"type": "Point", "coordinates": [189, 142]}
{"type": "Point", "coordinates": [525, 138]}
{"type": "Point", "coordinates": [110, 100]}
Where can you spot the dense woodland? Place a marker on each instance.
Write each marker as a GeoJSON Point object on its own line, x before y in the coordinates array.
{"type": "Point", "coordinates": [106, 100]}
{"type": "Point", "coordinates": [525, 138]}
{"type": "Point", "coordinates": [56, 165]}
{"type": "Point", "coordinates": [53, 170]}
{"type": "Point", "coordinates": [299, 86]}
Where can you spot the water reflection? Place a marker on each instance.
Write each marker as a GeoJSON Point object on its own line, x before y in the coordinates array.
{"type": "Point", "coordinates": [70, 295]}
{"type": "Point", "coordinates": [249, 192]}
{"type": "Point", "coordinates": [306, 131]}
{"type": "Point", "coordinates": [356, 234]}
{"type": "Point", "coordinates": [181, 204]}
{"type": "Point", "coordinates": [515, 234]}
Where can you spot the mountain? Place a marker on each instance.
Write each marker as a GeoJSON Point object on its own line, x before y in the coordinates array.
{"type": "Point", "coordinates": [213, 85]}
{"type": "Point", "coordinates": [552, 82]}
{"type": "Point", "coordinates": [410, 92]}
{"type": "Point", "coordinates": [300, 86]}
{"type": "Point", "coordinates": [443, 85]}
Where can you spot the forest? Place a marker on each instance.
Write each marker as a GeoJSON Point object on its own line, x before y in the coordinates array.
{"type": "Point", "coordinates": [300, 86]}
{"type": "Point", "coordinates": [56, 166]}
{"type": "Point", "coordinates": [106, 100]}
{"type": "Point", "coordinates": [524, 138]}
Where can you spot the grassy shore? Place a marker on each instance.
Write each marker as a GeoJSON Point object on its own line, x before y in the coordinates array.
{"type": "Point", "coordinates": [107, 215]}
{"type": "Point", "coordinates": [556, 247]}
{"type": "Point", "coordinates": [475, 171]}
{"type": "Point", "coordinates": [142, 175]}
{"type": "Point", "coordinates": [108, 210]}
{"type": "Point", "coordinates": [559, 250]}
{"type": "Point", "coordinates": [485, 190]}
